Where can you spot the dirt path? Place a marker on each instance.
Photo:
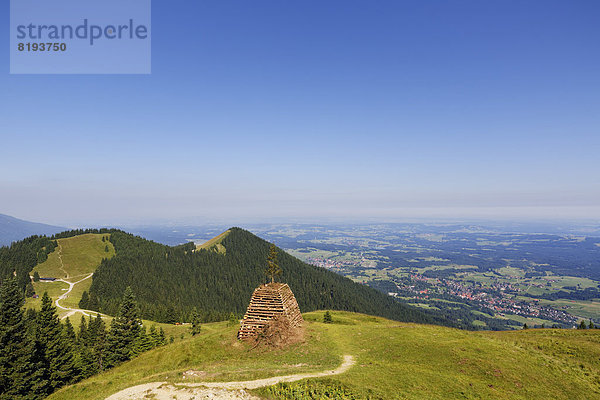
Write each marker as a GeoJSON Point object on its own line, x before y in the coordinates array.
{"type": "Point", "coordinates": [70, 311]}
{"type": "Point", "coordinates": [217, 390]}
{"type": "Point", "coordinates": [62, 265]}
{"type": "Point", "coordinates": [63, 296]}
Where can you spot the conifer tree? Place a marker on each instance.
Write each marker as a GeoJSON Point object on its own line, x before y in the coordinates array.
{"type": "Point", "coordinates": [15, 346]}
{"type": "Point", "coordinates": [69, 331]}
{"type": "Point", "coordinates": [124, 329]}
{"type": "Point", "coordinates": [143, 342]}
{"type": "Point", "coordinates": [82, 335]}
{"type": "Point", "coordinates": [40, 378]}
{"type": "Point", "coordinates": [273, 269]}
{"type": "Point", "coordinates": [97, 338]}
{"type": "Point", "coordinates": [29, 291]}
{"type": "Point", "coordinates": [84, 358]}
{"type": "Point", "coordinates": [154, 336]}
{"type": "Point", "coordinates": [84, 302]}
{"type": "Point", "coordinates": [162, 338]}
{"type": "Point", "coordinates": [232, 319]}
{"type": "Point", "coordinates": [327, 317]}
{"type": "Point", "coordinates": [196, 327]}
{"type": "Point", "coordinates": [93, 302]}
{"type": "Point", "coordinates": [30, 322]}
{"type": "Point", "coordinates": [36, 276]}
{"type": "Point", "coordinates": [58, 347]}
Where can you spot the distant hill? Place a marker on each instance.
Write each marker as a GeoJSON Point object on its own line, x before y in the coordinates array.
{"type": "Point", "coordinates": [14, 229]}
{"type": "Point", "coordinates": [216, 278]}
{"type": "Point", "coordinates": [219, 277]}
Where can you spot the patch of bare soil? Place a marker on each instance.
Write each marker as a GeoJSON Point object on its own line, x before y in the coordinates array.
{"type": "Point", "coordinates": [171, 392]}
{"type": "Point", "coordinates": [192, 373]}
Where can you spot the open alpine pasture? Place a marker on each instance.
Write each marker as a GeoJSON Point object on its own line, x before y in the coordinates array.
{"type": "Point", "coordinates": [393, 361]}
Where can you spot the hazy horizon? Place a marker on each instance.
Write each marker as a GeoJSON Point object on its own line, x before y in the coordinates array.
{"type": "Point", "coordinates": [198, 221]}
{"type": "Point", "coordinates": [312, 110]}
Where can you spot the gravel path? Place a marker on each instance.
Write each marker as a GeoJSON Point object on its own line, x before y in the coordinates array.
{"type": "Point", "coordinates": [217, 390]}
{"type": "Point", "coordinates": [63, 296]}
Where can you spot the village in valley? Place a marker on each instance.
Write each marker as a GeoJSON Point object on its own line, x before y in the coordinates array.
{"type": "Point", "coordinates": [524, 280]}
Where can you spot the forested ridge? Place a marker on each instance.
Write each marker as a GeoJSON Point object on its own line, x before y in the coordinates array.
{"type": "Point", "coordinates": [20, 257]}
{"type": "Point", "coordinates": [169, 282]}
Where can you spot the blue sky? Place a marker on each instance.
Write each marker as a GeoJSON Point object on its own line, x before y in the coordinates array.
{"type": "Point", "coordinates": [318, 109]}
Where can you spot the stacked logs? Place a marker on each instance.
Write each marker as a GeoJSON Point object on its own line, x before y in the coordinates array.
{"type": "Point", "coordinates": [270, 301]}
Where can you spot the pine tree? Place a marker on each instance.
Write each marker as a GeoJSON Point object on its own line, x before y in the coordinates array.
{"type": "Point", "coordinates": [124, 329]}
{"type": "Point", "coordinates": [36, 276]}
{"type": "Point", "coordinates": [93, 302]}
{"type": "Point", "coordinates": [327, 317]}
{"type": "Point", "coordinates": [97, 338]}
{"type": "Point", "coordinates": [58, 347]}
{"type": "Point", "coordinates": [582, 325]}
{"type": "Point", "coordinates": [40, 378]}
{"type": "Point", "coordinates": [29, 291]}
{"type": "Point", "coordinates": [153, 336]}
{"type": "Point", "coordinates": [162, 338]}
{"type": "Point", "coordinates": [142, 343]}
{"type": "Point", "coordinates": [69, 331]}
{"type": "Point", "coordinates": [16, 367]}
{"type": "Point", "coordinates": [196, 327]}
{"type": "Point", "coordinates": [232, 320]}
{"type": "Point", "coordinates": [273, 269]}
{"type": "Point", "coordinates": [84, 302]}
{"type": "Point", "coordinates": [591, 325]}
{"type": "Point", "coordinates": [82, 335]}
{"type": "Point", "coordinates": [30, 322]}
{"type": "Point", "coordinates": [525, 326]}
{"type": "Point", "coordinates": [84, 357]}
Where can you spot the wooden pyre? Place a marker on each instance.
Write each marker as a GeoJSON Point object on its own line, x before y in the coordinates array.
{"type": "Point", "coordinates": [273, 300]}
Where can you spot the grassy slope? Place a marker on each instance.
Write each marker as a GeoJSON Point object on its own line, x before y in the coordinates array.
{"type": "Point", "coordinates": [54, 289]}
{"type": "Point", "coordinates": [215, 351]}
{"type": "Point", "coordinates": [216, 242]}
{"type": "Point", "coordinates": [80, 255]}
{"type": "Point", "coordinates": [395, 360]}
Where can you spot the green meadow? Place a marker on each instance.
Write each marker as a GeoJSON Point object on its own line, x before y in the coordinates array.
{"type": "Point", "coordinates": [393, 361]}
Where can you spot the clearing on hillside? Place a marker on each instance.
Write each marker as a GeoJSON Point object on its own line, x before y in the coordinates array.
{"type": "Point", "coordinates": [215, 243]}
{"type": "Point", "coordinates": [74, 259]}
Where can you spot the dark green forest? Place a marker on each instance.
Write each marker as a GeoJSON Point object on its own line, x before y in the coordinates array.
{"type": "Point", "coordinates": [20, 257]}
{"type": "Point", "coordinates": [39, 353]}
{"type": "Point", "coordinates": [170, 281]}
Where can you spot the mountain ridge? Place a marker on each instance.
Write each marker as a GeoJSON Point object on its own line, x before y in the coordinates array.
{"type": "Point", "coordinates": [170, 281]}
{"type": "Point", "coordinates": [14, 229]}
